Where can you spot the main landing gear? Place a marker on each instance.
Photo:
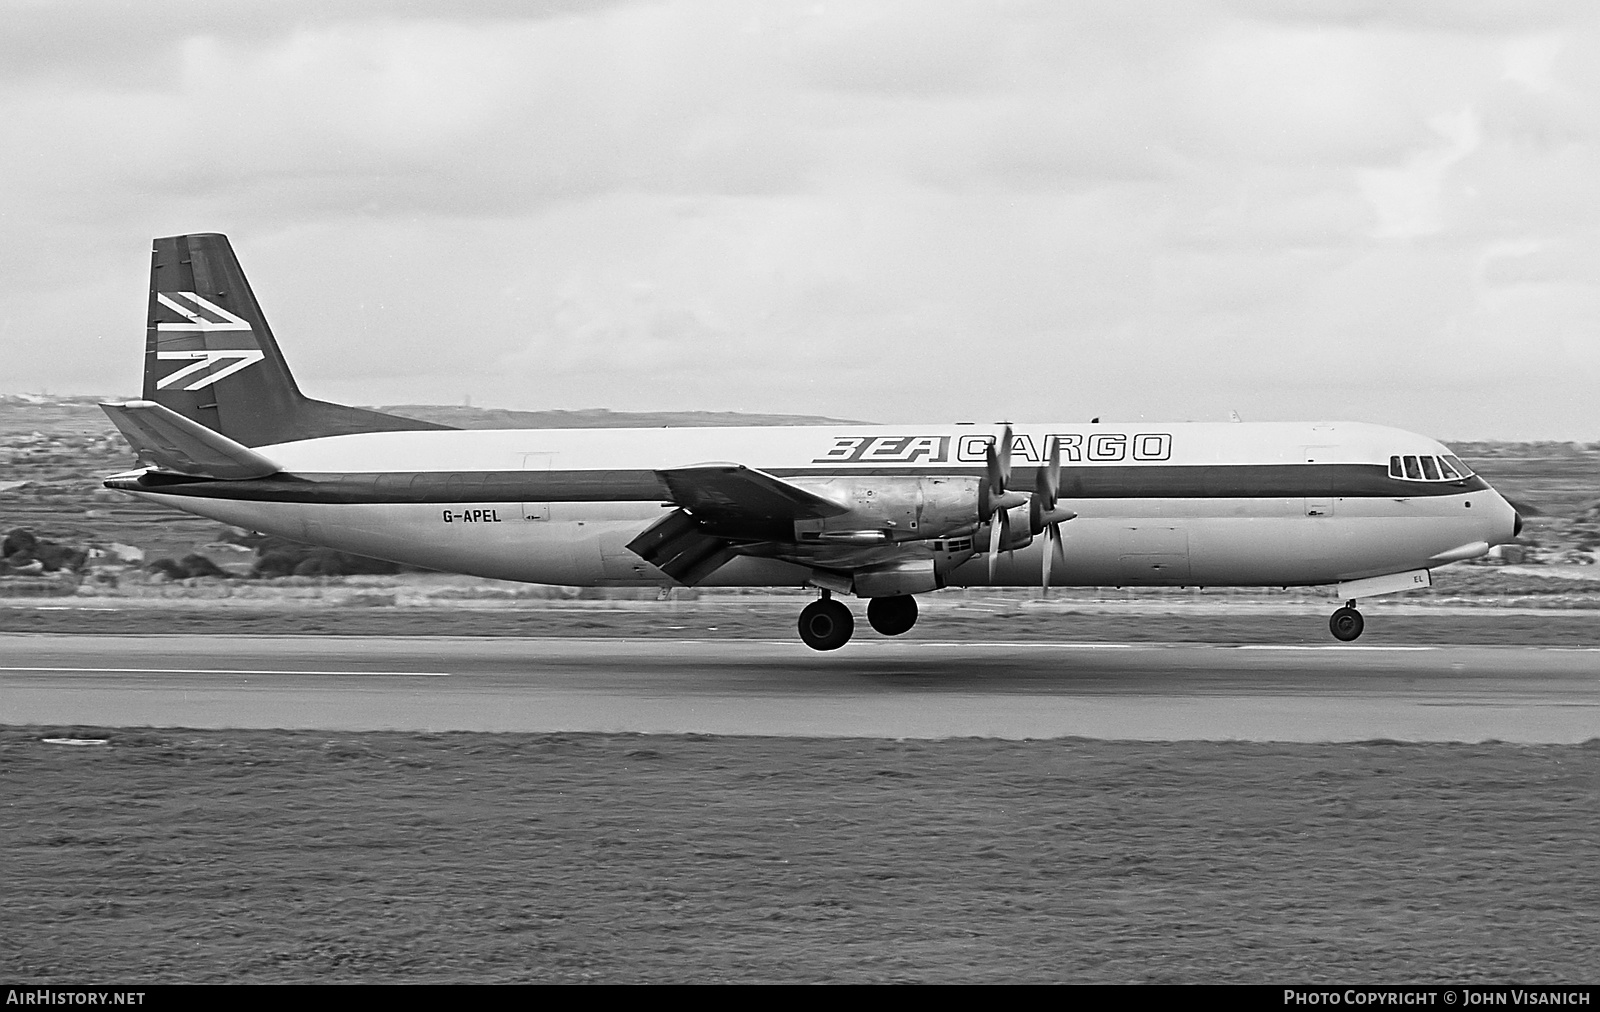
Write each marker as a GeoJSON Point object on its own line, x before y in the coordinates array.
{"type": "Point", "coordinates": [826, 624]}
{"type": "Point", "coordinates": [1346, 623]}
{"type": "Point", "coordinates": [892, 615]}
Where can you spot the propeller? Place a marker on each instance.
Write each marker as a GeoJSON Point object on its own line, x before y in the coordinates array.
{"type": "Point", "coordinates": [993, 497]}
{"type": "Point", "coordinates": [1045, 515]}
{"type": "Point", "coordinates": [997, 464]}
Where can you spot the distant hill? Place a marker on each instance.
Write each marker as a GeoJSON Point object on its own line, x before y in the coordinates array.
{"type": "Point", "coordinates": [594, 418]}
{"type": "Point", "coordinates": [23, 413]}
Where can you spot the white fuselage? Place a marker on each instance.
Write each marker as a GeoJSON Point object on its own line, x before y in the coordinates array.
{"type": "Point", "coordinates": [1172, 504]}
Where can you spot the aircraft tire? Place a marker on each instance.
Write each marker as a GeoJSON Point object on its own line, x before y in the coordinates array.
{"type": "Point", "coordinates": [826, 625]}
{"type": "Point", "coordinates": [1346, 624]}
{"type": "Point", "coordinates": [892, 616]}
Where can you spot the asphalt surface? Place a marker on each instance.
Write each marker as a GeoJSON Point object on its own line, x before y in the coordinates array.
{"type": "Point", "coordinates": [872, 688]}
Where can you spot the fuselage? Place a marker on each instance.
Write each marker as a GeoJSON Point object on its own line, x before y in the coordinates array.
{"type": "Point", "coordinates": [1179, 504]}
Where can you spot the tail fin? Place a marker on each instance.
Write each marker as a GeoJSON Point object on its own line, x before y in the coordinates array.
{"type": "Point", "coordinates": [210, 357]}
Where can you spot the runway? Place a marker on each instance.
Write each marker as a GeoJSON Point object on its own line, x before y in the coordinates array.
{"type": "Point", "coordinates": [872, 688]}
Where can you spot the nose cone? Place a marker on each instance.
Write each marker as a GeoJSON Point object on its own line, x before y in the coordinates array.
{"type": "Point", "coordinates": [1504, 521]}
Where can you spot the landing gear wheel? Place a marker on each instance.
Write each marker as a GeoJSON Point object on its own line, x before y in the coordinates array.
{"type": "Point", "coordinates": [1346, 624]}
{"type": "Point", "coordinates": [892, 615]}
{"type": "Point", "coordinates": [826, 625]}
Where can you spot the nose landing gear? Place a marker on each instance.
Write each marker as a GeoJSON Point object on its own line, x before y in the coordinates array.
{"type": "Point", "coordinates": [1346, 623]}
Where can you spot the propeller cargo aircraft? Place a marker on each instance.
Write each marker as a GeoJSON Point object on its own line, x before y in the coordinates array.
{"type": "Point", "coordinates": [881, 512]}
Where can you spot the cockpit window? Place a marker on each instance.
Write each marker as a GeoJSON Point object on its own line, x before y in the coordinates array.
{"type": "Point", "coordinates": [1424, 467]}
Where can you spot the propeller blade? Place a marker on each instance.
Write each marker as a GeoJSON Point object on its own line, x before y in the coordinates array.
{"type": "Point", "coordinates": [998, 460]}
{"type": "Point", "coordinates": [1046, 487]}
{"type": "Point", "coordinates": [1005, 455]}
{"type": "Point", "coordinates": [996, 522]}
{"type": "Point", "coordinates": [1049, 553]}
{"type": "Point", "coordinates": [1055, 548]}
{"type": "Point", "coordinates": [1052, 468]}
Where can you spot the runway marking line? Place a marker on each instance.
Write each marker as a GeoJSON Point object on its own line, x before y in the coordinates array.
{"type": "Point", "coordinates": [222, 671]}
{"type": "Point", "coordinates": [1322, 646]}
{"type": "Point", "coordinates": [1043, 644]}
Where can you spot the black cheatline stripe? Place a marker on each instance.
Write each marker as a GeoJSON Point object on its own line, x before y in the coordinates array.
{"type": "Point", "coordinates": [1145, 481]}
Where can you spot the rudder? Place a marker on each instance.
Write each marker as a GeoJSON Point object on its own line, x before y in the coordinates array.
{"type": "Point", "coordinates": [210, 356]}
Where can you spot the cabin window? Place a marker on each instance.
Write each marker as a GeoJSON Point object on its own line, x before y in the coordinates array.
{"type": "Point", "coordinates": [1446, 471]}
{"type": "Point", "coordinates": [1394, 468]}
{"type": "Point", "coordinates": [1412, 469]}
{"type": "Point", "coordinates": [1461, 469]}
{"type": "Point", "coordinates": [1430, 470]}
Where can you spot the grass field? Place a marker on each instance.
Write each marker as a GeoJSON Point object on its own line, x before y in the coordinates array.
{"type": "Point", "coordinates": [167, 856]}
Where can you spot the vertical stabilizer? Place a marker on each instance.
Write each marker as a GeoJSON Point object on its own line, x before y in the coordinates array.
{"type": "Point", "coordinates": [210, 357]}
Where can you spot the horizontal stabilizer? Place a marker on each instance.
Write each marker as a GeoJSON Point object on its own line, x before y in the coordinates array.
{"type": "Point", "coordinates": [677, 546]}
{"type": "Point", "coordinates": [170, 441]}
{"type": "Point", "coordinates": [734, 496]}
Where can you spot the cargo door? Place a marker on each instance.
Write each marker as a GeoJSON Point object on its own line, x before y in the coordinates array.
{"type": "Point", "coordinates": [1153, 555]}
{"type": "Point", "coordinates": [534, 509]}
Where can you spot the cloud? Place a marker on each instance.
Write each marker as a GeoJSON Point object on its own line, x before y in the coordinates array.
{"type": "Point", "coordinates": [871, 210]}
{"type": "Point", "coordinates": [1407, 199]}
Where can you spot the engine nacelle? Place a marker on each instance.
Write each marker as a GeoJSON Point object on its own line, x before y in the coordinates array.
{"type": "Point", "coordinates": [906, 509]}
{"type": "Point", "coordinates": [911, 576]}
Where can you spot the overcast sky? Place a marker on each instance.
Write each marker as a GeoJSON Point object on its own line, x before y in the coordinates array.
{"type": "Point", "coordinates": [920, 211]}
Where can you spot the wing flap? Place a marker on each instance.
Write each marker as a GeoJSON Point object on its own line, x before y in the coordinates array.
{"type": "Point", "coordinates": [677, 546]}
{"type": "Point", "coordinates": [172, 442]}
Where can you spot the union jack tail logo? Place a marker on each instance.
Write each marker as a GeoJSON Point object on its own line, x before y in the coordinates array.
{"type": "Point", "coordinates": [200, 314]}
{"type": "Point", "coordinates": [206, 366]}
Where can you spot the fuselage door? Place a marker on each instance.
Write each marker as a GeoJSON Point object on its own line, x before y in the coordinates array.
{"type": "Point", "coordinates": [1319, 480]}
{"type": "Point", "coordinates": [536, 461]}
{"type": "Point", "coordinates": [1152, 555]}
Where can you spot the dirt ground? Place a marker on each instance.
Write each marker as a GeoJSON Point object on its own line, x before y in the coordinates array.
{"type": "Point", "coordinates": [172, 856]}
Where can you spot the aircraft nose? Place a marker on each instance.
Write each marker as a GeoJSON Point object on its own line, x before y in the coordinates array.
{"type": "Point", "coordinates": [1505, 521]}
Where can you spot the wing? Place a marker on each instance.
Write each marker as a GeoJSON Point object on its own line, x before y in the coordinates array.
{"type": "Point", "coordinates": [733, 498]}
{"type": "Point", "coordinates": [170, 441]}
{"type": "Point", "coordinates": [721, 505]}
